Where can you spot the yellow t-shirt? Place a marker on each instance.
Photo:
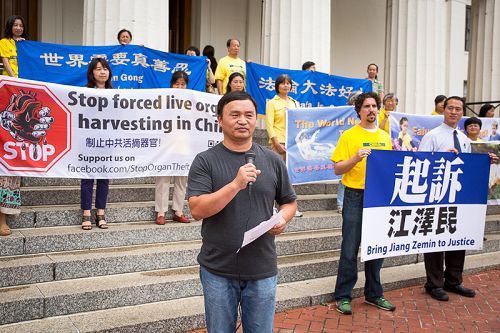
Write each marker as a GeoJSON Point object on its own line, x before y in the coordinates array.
{"type": "Point", "coordinates": [8, 50]}
{"type": "Point", "coordinates": [228, 66]}
{"type": "Point", "coordinates": [349, 143]}
{"type": "Point", "coordinates": [276, 117]}
{"type": "Point", "coordinates": [380, 118]}
{"type": "Point", "coordinates": [434, 113]}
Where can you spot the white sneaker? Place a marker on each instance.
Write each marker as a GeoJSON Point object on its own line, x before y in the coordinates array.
{"type": "Point", "coordinates": [298, 213]}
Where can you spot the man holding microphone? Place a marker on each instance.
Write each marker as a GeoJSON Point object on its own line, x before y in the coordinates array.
{"type": "Point", "coordinates": [232, 187]}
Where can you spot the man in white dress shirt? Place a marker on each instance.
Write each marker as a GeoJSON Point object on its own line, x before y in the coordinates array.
{"type": "Point", "coordinates": [446, 137]}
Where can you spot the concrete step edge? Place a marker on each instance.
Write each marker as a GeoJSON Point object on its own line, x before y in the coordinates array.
{"type": "Point", "coordinates": [320, 255]}
{"type": "Point", "coordinates": [185, 314]}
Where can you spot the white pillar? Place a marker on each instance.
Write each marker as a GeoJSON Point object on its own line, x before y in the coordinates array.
{"type": "Point", "coordinates": [484, 73]}
{"type": "Point", "coordinates": [61, 21]}
{"type": "Point", "coordinates": [296, 31]}
{"type": "Point", "coordinates": [146, 19]}
{"type": "Point", "coordinates": [425, 52]}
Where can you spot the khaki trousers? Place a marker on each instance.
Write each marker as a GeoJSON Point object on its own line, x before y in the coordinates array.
{"type": "Point", "coordinates": [162, 191]}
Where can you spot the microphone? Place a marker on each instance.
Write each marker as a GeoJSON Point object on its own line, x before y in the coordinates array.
{"type": "Point", "coordinates": [250, 158]}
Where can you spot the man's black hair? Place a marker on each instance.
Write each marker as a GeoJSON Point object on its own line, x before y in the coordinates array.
{"type": "Point", "coordinates": [234, 96]}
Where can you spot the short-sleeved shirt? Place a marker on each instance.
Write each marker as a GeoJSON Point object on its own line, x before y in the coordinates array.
{"type": "Point", "coordinates": [348, 145]}
{"type": "Point", "coordinates": [228, 66]}
{"type": "Point", "coordinates": [440, 139]}
{"type": "Point", "coordinates": [223, 232]}
{"type": "Point", "coordinates": [276, 117]}
{"type": "Point", "coordinates": [377, 86]}
{"type": "Point", "coordinates": [8, 50]}
{"type": "Point", "coordinates": [380, 118]}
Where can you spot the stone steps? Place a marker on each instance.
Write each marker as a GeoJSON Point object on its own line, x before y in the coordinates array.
{"type": "Point", "coordinates": [186, 313]}
{"type": "Point", "coordinates": [117, 212]}
{"type": "Point", "coordinates": [318, 248]}
{"type": "Point", "coordinates": [140, 277]}
{"type": "Point", "coordinates": [64, 297]}
{"type": "Point", "coordinates": [80, 281]}
{"type": "Point", "coordinates": [29, 184]}
{"type": "Point", "coordinates": [70, 194]}
{"type": "Point", "coordinates": [70, 264]}
{"type": "Point", "coordinates": [70, 238]}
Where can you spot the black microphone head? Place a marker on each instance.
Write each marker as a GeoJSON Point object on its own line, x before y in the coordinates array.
{"type": "Point", "coordinates": [250, 156]}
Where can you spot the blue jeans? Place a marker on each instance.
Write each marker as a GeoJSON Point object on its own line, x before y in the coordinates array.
{"type": "Point", "coordinates": [222, 295]}
{"type": "Point", "coordinates": [340, 194]}
{"type": "Point", "coordinates": [347, 275]}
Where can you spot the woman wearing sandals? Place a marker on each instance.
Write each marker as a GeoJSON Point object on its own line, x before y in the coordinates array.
{"type": "Point", "coordinates": [10, 194]}
{"type": "Point", "coordinates": [162, 189]}
{"type": "Point", "coordinates": [99, 77]}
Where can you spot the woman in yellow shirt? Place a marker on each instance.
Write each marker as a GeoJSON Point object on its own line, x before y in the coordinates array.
{"type": "Point", "coordinates": [14, 32]}
{"type": "Point", "coordinates": [276, 114]}
{"type": "Point", "coordinates": [10, 201]}
{"type": "Point", "coordinates": [390, 102]}
{"type": "Point", "coordinates": [276, 117]}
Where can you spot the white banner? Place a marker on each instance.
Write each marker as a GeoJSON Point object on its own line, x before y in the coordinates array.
{"type": "Point", "coordinates": [52, 130]}
{"type": "Point", "coordinates": [376, 244]}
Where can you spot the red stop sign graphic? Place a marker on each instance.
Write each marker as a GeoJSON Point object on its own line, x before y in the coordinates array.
{"type": "Point", "coordinates": [35, 129]}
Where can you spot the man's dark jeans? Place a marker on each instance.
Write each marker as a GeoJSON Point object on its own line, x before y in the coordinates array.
{"type": "Point", "coordinates": [352, 216]}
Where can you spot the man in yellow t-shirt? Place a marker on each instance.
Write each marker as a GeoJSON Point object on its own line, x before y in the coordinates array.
{"type": "Point", "coordinates": [353, 147]}
{"type": "Point", "coordinates": [229, 65]}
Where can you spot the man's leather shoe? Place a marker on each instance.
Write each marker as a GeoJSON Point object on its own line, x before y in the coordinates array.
{"type": "Point", "coordinates": [160, 220]}
{"type": "Point", "coordinates": [460, 289]}
{"type": "Point", "coordinates": [181, 219]}
{"type": "Point", "coordinates": [437, 293]}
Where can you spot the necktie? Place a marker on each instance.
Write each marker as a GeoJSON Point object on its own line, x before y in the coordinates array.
{"type": "Point", "coordinates": [456, 143]}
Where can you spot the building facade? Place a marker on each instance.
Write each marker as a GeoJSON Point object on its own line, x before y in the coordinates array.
{"type": "Point", "coordinates": [422, 47]}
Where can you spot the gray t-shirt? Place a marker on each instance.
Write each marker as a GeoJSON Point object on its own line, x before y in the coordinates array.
{"type": "Point", "coordinates": [223, 232]}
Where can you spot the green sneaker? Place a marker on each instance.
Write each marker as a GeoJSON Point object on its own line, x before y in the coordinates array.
{"type": "Point", "coordinates": [344, 306]}
{"type": "Point", "coordinates": [381, 303]}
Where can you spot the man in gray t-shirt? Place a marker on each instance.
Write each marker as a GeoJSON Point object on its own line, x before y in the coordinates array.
{"type": "Point", "coordinates": [233, 196]}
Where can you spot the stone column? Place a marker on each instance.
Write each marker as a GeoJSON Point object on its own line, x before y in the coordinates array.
{"type": "Point", "coordinates": [296, 31]}
{"type": "Point", "coordinates": [484, 63]}
{"type": "Point", "coordinates": [146, 19]}
{"type": "Point", "coordinates": [425, 53]}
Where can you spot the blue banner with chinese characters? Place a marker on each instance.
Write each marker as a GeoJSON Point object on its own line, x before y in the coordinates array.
{"type": "Point", "coordinates": [407, 130]}
{"type": "Point", "coordinates": [312, 135]}
{"type": "Point", "coordinates": [132, 66]}
{"type": "Point", "coordinates": [310, 89]}
{"type": "Point", "coordinates": [423, 202]}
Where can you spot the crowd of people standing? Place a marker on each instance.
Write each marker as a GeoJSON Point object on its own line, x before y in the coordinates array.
{"type": "Point", "coordinates": [214, 192]}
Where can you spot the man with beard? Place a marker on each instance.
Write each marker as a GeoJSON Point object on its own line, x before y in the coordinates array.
{"type": "Point", "coordinates": [353, 148]}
